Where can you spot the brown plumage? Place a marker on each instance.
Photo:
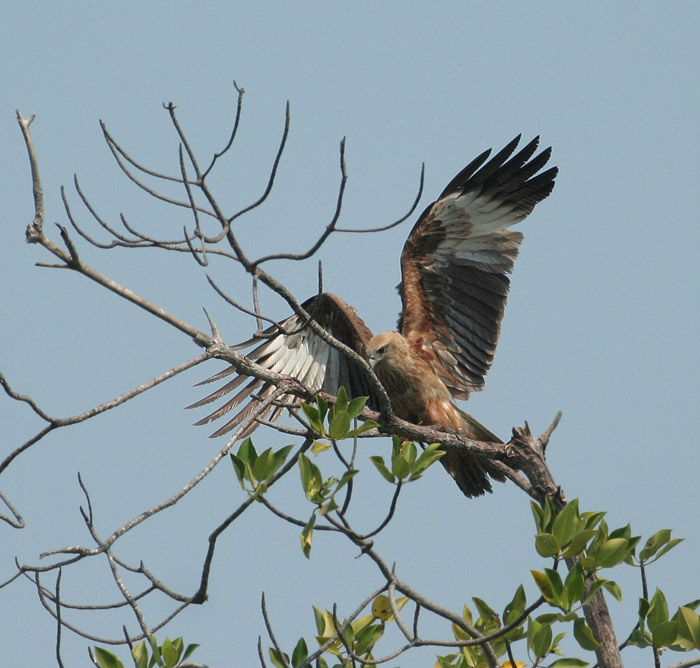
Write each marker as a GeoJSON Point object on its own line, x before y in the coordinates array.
{"type": "Point", "coordinates": [454, 267]}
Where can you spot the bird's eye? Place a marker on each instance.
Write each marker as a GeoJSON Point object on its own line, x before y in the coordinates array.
{"type": "Point", "coordinates": [381, 350]}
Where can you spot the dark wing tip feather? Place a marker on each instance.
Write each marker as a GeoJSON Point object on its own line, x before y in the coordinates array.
{"type": "Point", "coordinates": [458, 181]}
{"type": "Point", "coordinates": [462, 240]}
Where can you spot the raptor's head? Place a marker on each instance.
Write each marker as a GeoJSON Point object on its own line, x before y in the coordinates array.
{"type": "Point", "coordinates": [386, 347]}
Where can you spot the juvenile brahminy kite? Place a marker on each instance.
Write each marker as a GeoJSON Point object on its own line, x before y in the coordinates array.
{"type": "Point", "coordinates": [454, 267]}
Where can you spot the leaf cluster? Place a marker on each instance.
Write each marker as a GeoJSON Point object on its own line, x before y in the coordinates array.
{"type": "Point", "coordinates": [334, 422]}
{"type": "Point", "coordinates": [255, 471]}
{"type": "Point", "coordinates": [406, 465]}
{"type": "Point", "coordinates": [170, 654]}
{"type": "Point", "coordinates": [346, 641]}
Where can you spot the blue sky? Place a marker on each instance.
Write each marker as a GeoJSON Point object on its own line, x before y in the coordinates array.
{"type": "Point", "coordinates": [602, 320]}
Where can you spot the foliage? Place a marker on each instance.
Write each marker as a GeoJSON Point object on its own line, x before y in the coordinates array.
{"type": "Point", "coordinates": [171, 654]}
{"type": "Point", "coordinates": [582, 542]}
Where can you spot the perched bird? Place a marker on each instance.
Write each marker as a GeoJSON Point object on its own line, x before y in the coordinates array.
{"type": "Point", "coordinates": [454, 267]}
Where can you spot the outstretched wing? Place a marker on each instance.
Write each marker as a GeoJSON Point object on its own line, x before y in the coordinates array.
{"type": "Point", "coordinates": [456, 261]}
{"type": "Point", "coordinates": [299, 353]}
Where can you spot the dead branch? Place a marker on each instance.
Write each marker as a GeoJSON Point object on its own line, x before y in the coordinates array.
{"type": "Point", "coordinates": [398, 222]}
{"type": "Point", "coordinates": [55, 423]}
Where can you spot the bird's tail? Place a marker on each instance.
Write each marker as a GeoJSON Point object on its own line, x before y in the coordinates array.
{"type": "Point", "coordinates": [472, 474]}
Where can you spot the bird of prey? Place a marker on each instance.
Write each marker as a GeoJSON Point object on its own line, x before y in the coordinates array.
{"type": "Point", "coordinates": [454, 267]}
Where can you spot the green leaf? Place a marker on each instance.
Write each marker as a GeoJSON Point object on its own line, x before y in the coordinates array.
{"type": "Point", "coordinates": [356, 406]}
{"type": "Point", "coordinates": [280, 458]}
{"type": "Point", "coordinates": [400, 466]}
{"type": "Point", "coordinates": [665, 634]}
{"type": "Point", "coordinates": [544, 585]}
{"type": "Point", "coordinates": [548, 515]}
{"type": "Point", "coordinates": [106, 659]}
{"type": "Point", "coordinates": [314, 417]}
{"type": "Point", "coordinates": [584, 635]}
{"type": "Point", "coordinates": [566, 523]}
{"type": "Point", "coordinates": [612, 552]}
{"type": "Point", "coordinates": [240, 469]}
{"type": "Point", "coordinates": [654, 544]}
{"type": "Point", "coordinates": [538, 515]}
{"type": "Point", "coordinates": [578, 543]}
{"type": "Point", "coordinates": [613, 588]}
{"type": "Point", "coordinates": [263, 465]}
{"type": "Point", "coordinates": [349, 633]}
{"type": "Point", "coordinates": [320, 621]}
{"type": "Point", "coordinates": [546, 545]}
{"type": "Point", "coordinates": [549, 617]}
{"type": "Point", "coordinates": [367, 425]}
{"type": "Point", "coordinates": [689, 626]}
{"type": "Point", "coordinates": [189, 650]}
{"type": "Point", "coordinates": [367, 637]}
{"type": "Point", "coordinates": [427, 458]}
{"type": "Point", "coordinates": [278, 660]}
{"type": "Point", "coordinates": [541, 640]}
{"type": "Point", "coordinates": [569, 662]}
{"type": "Point", "coordinates": [322, 406]}
{"type": "Point", "coordinates": [320, 446]}
{"type": "Point", "coordinates": [574, 586]}
{"type": "Point", "coordinates": [246, 451]}
{"type": "Point", "coordinates": [140, 655]}
{"type": "Point", "coordinates": [341, 401]}
{"type": "Point", "coordinates": [588, 563]}
{"type": "Point", "coordinates": [643, 610]}
{"type": "Point", "coordinates": [516, 607]}
{"type": "Point", "coordinates": [383, 470]}
{"type": "Point", "coordinates": [488, 616]}
{"type": "Point", "coordinates": [155, 650]}
{"type": "Point", "coordinates": [640, 638]}
{"type": "Point", "coordinates": [658, 610]}
{"type": "Point", "coordinates": [311, 478]}
{"type": "Point", "coordinates": [345, 479]}
{"type": "Point", "coordinates": [339, 426]}
{"type": "Point", "coordinates": [300, 652]}
{"type": "Point", "coordinates": [243, 462]}
{"type": "Point", "coordinates": [621, 532]}
{"type": "Point", "coordinates": [169, 653]}
{"type": "Point", "coordinates": [328, 507]}
{"type": "Point", "coordinates": [592, 519]}
{"type": "Point", "coordinates": [668, 547]}
{"type": "Point", "coordinates": [557, 586]}
{"type": "Point", "coordinates": [307, 534]}
{"type": "Point", "coordinates": [179, 646]}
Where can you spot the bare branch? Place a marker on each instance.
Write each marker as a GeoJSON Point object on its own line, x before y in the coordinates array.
{"type": "Point", "coordinates": [37, 190]}
{"type": "Point", "coordinates": [201, 594]}
{"type": "Point", "coordinates": [270, 632]}
{"type": "Point", "coordinates": [239, 108]}
{"type": "Point", "coordinates": [58, 619]}
{"type": "Point", "coordinates": [273, 172]}
{"type": "Point", "coordinates": [398, 222]}
{"type": "Point", "coordinates": [118, 153]}
{"type": "Point", "coordinates": [687, 664]}
{"type": "Point", "coordinates": [121, 240]}
{"type": "Point", "coordinates": [55, 423]}
{"type": "Point", "coordinates": [330, 228]}
{"type": "Point", "coordinates": [239, 307]}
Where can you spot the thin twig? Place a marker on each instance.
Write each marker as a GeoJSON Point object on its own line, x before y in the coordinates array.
{"type": "Point", "coordinates": [239, 108]}
{"type": "Point", "coordinates": [384, 228]}
{"type": "Point", "coordinates": [330, 228]}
